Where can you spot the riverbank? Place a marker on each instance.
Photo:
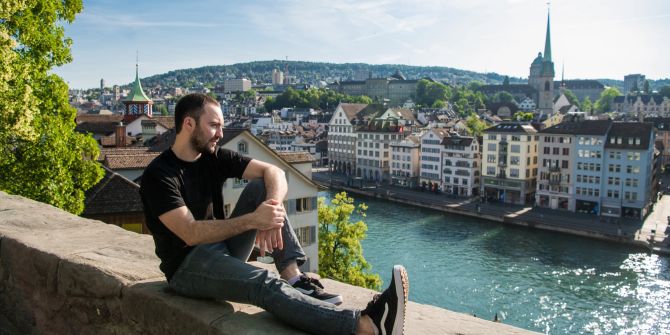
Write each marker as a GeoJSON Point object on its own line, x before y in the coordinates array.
{"type": "Point", "coordinates": [650, 234]}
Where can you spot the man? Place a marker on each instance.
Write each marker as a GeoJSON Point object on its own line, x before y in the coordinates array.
{"type": "Point", "coordinates": [204, 255]}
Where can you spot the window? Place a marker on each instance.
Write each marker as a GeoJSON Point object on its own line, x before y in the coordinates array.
{"type": "Point", "coordinates": [514, 173]}
{"type": "Point", "coordinates": [566, 151]}
{"type": "Point", "coordinates": [305, 204]}
{"type": "Point", "coordinates": [555, 151]}
{"type": "Point", "coordinates": [515, 148]}
{"type": "Point", "coordinates": [491, 158]}
{"type": "Point", "coordinates": [564, 164]}
{"type": "Point", "coordinates": [514, 160]}
{"type": "Point", "coordinates": [547, 150]}
{"type": "Point", "coordinates": [492, 147]}
{"type": "Point", "coordinates": [306, 235]}
{"type": "Point", "coordinates": [242, 147]}
{"type": "Point", "coordinates": [491, 170]}
{"type": "Point", "coordinates": [238, 183]}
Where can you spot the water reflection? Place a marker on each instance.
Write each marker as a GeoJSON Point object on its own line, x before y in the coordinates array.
{"type": "Point", "coordinates": [542, 281]}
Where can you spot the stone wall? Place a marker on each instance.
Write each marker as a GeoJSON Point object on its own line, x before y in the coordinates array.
{"type": "Point", "coordinates": [62, 274]}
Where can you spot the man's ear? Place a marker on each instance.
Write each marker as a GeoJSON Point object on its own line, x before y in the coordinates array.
{"type": "Point", "coordinates": [189, 123]}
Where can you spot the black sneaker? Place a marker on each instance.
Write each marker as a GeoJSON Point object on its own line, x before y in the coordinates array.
{"type": "Point", "coordinates": [313, 288]}
{"type": "Point", "coordinates": [387, 310]}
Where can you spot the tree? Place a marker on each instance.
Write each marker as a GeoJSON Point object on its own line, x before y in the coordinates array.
{"type": "Point", "coordinates": [162, 110]}
{"type": "Point", "coordinates": [523, 116]}
{"type": "Point", "coordinates": [503, 96]}
{"type": "Point", "coordinates": [646, 87]}
{"type": "Point", "coordinates": [41, 156]}
{"type": "Point", "coordinates": [665, 91]}
{"type": "Point", "coordinates": [506, 83]}
{"type": "Point", "coordinates": [587, 105]}
{"type": "Point", "coordinates": [340, 251]}
{"type": "Point", "coordinates": [572, 97]}
{"type": "Point", "coordinates": [475, 125]}
{"type": "Point", "coordinates": [427, 92]}
{"type": "Point", "coordinates": [604, 103]}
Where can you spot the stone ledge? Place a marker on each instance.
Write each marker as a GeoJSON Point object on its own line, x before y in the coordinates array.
{"type": "Point", "coordinates": [62, 274]}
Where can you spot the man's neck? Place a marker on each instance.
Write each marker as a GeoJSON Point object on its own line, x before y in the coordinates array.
{"type": "Point", "coordinates": [183, 149]}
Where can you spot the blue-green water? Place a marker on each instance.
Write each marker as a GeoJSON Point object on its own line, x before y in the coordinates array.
{"type": "Point", "coordinates": [542, 281]}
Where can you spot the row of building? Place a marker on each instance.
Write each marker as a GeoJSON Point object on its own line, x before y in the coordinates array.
{"type": "Point", "coordinates": [600, 167]}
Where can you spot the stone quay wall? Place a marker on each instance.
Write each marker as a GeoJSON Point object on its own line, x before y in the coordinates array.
{"type": "Point", "coordinates": [63, 274]}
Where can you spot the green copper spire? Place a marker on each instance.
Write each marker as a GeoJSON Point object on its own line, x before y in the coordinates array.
{"type": "Point", "coordinates": [547, 43]}
{"type": "Point", "coordinates": [137, 94]}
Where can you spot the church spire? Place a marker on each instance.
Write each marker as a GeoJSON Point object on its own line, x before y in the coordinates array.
{"type": "Point", "coordinates": [547, 42]}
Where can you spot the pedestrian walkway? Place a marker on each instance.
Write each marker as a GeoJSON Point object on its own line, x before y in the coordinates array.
{"type": "Point", "coordinates": [626, 231]}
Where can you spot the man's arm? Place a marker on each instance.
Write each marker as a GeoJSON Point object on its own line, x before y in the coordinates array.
{"type": "Point", "coordinates": [275, 192]}
{"type": "Point", "coordinates": [273, 177]}
{"type": "Point", "coordinates": [181, 222]}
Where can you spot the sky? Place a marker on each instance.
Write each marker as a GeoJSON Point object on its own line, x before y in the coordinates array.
{"type": "Point", "coordinates": [590, 39]}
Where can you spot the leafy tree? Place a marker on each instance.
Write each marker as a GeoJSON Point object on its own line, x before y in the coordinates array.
{"type": "Point", "coordinates": [646, 87]}
{"type": "Point", "coordinates": [587, 105]}
{"type": "Point", "coordinates": [665, 91]}
{"type": "Point", "coordinates": [506, 82]}
{"type": "Point", "coordinates": [439, 104]}
{"type": "Point", "coordinates": [604, 103]}
{"type": "Point", "coordinates": [340, 251]}
{"type": "Point", "coordinates": [41, 156]}
{"type": "Point", "coordinates": [503, 96]}
{"type": "Point", "coordinates": [572, 97]}
{"type": "Point", "coordinates": [427, 92]}
{"type": "Point", "coordinates": [523, 116]}
{"type": "Point", "coordinates": [475, 125]}
{"type": "Point", "coordinates": [162, 110]}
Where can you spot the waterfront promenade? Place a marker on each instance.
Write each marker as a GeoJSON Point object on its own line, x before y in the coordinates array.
{"type": "Point", "coordinates": [651, 233]}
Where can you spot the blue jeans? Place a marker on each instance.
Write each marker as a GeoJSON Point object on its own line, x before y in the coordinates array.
{"type": "Point", "coordinates": [220, 271]}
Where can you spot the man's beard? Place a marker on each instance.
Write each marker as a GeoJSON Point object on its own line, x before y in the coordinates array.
{"type": "Point", "coordinates": [201, 144]}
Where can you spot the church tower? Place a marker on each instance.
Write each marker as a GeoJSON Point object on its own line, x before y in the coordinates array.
{"type": "Point", "coordinates": [137, 103]}
{"type": "Point", "coordinates": [541, 76]}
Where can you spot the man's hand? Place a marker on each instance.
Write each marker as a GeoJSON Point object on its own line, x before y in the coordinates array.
{"type": "Point", "coordinates": [268, 240]}
{"type": "Point", "coordinates": [269, 215]}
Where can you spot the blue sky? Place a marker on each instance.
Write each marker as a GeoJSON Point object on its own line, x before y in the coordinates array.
{"type": "Point", "coordinates": [593, 38]}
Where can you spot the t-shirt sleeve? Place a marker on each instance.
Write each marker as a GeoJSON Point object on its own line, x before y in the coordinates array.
{"type": "Point", "coordinates": [160, 193]}
{"type": "Point", "coordinates": [232, 163]}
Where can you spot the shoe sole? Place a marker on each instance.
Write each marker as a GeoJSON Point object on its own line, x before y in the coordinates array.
{"type": "Point", "coordinates": [401, 290]}
{"type": "Point", "coordinates": [337, 300]}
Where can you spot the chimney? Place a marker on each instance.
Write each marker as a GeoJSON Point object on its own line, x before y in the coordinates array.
{"type": "Point", "coordinates": [120, 135]}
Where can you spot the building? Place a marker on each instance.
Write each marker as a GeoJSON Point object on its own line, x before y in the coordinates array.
{"type": "Point", "coordinates": [430, 172]}
{"type": "Point", "coordinates": [373, 151]}
{"type": "Point", "coordinates": [137, 103]}
{"type": "Point", "coordinates": [628, 170]}
{"type": "Point", "coordinates": [582, 88]}
{"type": "Point", "coordinates": [662, 127]}
{"type": "Point", "coordinates": [341, 135]}
{"type": "Point", "coordinates": [509, 163]}
{"type": "Point", "coordinates": [570, 157]}
{"type": "Point", "coordinates": [405, 161]}
{"type": "Point", "coordinates": [396, 88]}
{"type": "Point", "coordinates": [236, 85]}
{"type": "Point", "coordinates": [633, 83]}
{"type": "Point", "coordinates": [116, 200]}
{"type": "Point", "coordinates": [277, 77]}
{"type": "Point", "coordinates": [461, 165]}
{"type": "Point", "coordinates": [643, 104]}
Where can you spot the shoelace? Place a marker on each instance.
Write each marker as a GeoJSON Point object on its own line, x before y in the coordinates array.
{"type": "Point", "coordinates": [371, 303]}
{"type": "Point", "coordinates": [312, 281]}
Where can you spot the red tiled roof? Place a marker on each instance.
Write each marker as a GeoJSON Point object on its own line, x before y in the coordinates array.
{"type": "Point", "coordinates": [296, 157]}
{"type": "Point", "coordinates": [130, 161]}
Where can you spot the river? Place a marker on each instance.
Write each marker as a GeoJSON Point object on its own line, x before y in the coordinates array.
{"type": "Point", "coordinates": [542, 281]}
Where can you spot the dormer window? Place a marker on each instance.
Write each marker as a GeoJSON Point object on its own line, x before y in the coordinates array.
{"type": "Point", "coordinates": [637, 141]}
{"type": "Point", "coordinates": [242, 147]}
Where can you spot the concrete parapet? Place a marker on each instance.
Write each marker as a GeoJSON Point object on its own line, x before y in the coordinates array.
{"type": "Point", "coordinates": [63, 274]}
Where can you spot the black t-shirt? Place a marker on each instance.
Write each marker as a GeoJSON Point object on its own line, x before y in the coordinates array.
{"type": "Point", "coordinates": [169, 183]}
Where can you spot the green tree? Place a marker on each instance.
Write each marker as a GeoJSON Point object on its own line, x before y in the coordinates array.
{"type": "Point", "coordinates": [523, 116]}
{"type": "Point", "coordinates": [475, 125]}
{"type": "Point", "coordinates": [665, 91]}
{"type": "Point", "coordinates": [340, 251]}
{"type": "Point", "coordinates": [647, 90]}
{"type": "Point", "coordinates": [604, 103]}
{"type": "Point", "coordinates": [503, 96]}
{"type": "Point", "coordinates": [41, 156]}
{"type": "Point", "coordinates": [439, 104]}
{"type": "Point", "coordinates": [427, 92]}
{"type": "Point", "coordinates": [162, 110]}
{"type": "Point", "coordinates": [572, 97]}
{"type": "Point", "coordinates": [587, 105]}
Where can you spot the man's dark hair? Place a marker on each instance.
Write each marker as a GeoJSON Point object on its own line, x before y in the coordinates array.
{"type": "Point", "coordinates": [191, 105]}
